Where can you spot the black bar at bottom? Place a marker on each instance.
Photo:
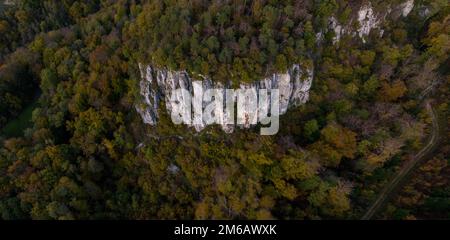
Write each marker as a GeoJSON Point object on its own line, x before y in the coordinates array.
{"type": "Point", "coordinates": [224, 230]}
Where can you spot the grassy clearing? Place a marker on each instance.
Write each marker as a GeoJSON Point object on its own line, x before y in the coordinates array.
{"type": "Point", "coordinates": [16, 127]}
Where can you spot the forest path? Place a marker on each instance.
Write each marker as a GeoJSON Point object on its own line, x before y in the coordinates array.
{"type": "Point", "coordinates": [387, 191]}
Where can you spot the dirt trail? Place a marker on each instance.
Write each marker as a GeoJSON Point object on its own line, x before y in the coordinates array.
{"type": "Point", "coordinates": [387, 191]}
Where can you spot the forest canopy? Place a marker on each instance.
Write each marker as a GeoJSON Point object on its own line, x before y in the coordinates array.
{"type": "Point", "coordinates": [88, 155]}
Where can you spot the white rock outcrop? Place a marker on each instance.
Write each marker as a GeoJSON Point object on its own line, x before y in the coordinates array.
{"type": "Point", "coordinates": [407, 7]}
{"type": "Point", "coordinates": [368, 19]}
{"type": "Point", "coordinates": [158, 85]}
{"type": "Point", "coordinates": [337, 28]}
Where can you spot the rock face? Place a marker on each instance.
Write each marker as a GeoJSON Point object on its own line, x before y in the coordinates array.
{"type": "Point", "coordinates": [407, 7]}
{"type": "Point", "coordinates": [367, 20]}
{"type": "Point", "coordinates": [158, 85]}
{"type": "Point", "coordinates": [337, 28]}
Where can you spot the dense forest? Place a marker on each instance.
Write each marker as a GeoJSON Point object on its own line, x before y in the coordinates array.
{"type": "Point", "coordinates": [69, 73]}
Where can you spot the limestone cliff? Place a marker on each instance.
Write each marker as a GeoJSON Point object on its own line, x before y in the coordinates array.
{"type": "Point", "coordinates": [157, 85]}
